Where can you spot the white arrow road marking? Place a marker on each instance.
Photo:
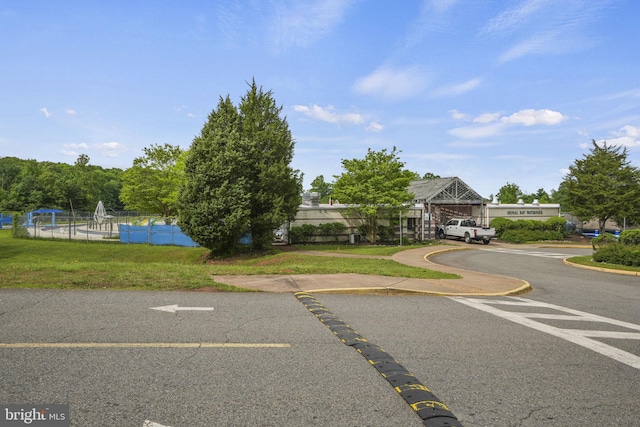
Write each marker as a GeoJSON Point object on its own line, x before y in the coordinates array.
{"type": "Point", "coordinates": [174, 308]}
{"type": "Point", "coordinates": [148, 423]}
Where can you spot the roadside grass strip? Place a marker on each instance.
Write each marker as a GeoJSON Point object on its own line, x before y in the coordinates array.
{"type": "Point", "coordinates": [427, 406]}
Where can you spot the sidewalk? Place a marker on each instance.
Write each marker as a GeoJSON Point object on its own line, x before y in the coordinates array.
{"type": "Point", "coordinates": [471, 283]}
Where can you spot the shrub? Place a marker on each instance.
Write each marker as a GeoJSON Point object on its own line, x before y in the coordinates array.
{"type": "Point", "coordinates": [17, 230]}
{"type": "Point", "coordinates": [302, 233]}
{"type": "Point", "coordinates": [617, 253]}
{"type": "Point", "coordinates": [556, 223]}
{"type": "Point", "coordinates": [522, 236]}
{"type": "Point", "coordinates": [528, 230]}
{"type": "Point", "coordinates": [501, 225]}
{"type": "Point", "coordinates": [332, 229]}
{"type": "Point", "coordinates": [630, 237]}
{"type": "Point", "coordinates": [529, 224]}
{"type": "Point", "coordinates": [386, 233]}
{"type": "Point", "coordinates": [604, 239]}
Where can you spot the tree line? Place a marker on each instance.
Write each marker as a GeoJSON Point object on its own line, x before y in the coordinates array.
{"type": "Point", "coordinates": [26, 185]}
{"type": "Point", "coordinates": [236, 179]}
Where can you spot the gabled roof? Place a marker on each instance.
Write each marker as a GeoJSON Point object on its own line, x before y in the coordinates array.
{"type": "Point", "coordinates": [444, 191]}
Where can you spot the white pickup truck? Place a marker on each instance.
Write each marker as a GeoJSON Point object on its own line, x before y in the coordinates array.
{"type": "Point", "coordinates": [466, 229]}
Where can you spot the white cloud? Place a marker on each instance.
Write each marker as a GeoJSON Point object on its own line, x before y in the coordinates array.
{"type": "Point", "coordinates": [441, 156]}
{"type": "Point", "coordinates": [393, 84]}
{"type": "Point", "coordinates": [476, 132]}
{"type": "Point", "coordinates": [70, 111]}
{"type": "Point", "coordinates": [81, 146]}
{"type": "Point", "coordinates": [513, 18]}
{"type": "Point", "coordinates": [539, 44]}
{"type": "Point", "coordinates": [458, 89]}
{"type": "Point", "coordinates": [74, 150]}
{"type": "Point", "coordinates": [374, 127]}
{"type": "Point", "coordinates": [532, 117]}
{"type": "Point", "coordinates": [546, 26]}
{"type": "Point", "coordinates": [443, 5]}
{"type": "Point", "coordinates": [110, 149]}
{"type": "Point", "coordinates": [627, 136]}
{"type": "Point", "coordinates": [457, 115]}
{"type": "Point", "coordinates": [487, 118]}
{"type": "Point", "coordinates": [329, 114]}
{"type": "Point", "coordinates": [301, 23]}
{"type": "Point", "coordinates": [46, 112]}
{"type": "Point", "coordinates": [107, 149]}
{"type": "Point", "coordinates": [491, 124]}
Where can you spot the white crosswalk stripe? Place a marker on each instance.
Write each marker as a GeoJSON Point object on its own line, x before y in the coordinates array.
{"type": "Point", "coordinates": [583, 337]}
{"type": "Point", "coordinates": [529, 253]}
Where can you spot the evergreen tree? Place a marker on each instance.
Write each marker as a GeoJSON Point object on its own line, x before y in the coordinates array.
{"type": "Point", "coordinates": [237, 175]}
{"type": "Point", "coordinates": [603, 185]}
{"type": "Point", "coordinates": [275, 187]}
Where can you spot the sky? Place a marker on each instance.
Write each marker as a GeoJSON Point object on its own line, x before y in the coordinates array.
{"type": "Point", "coordinates": [490, 91]}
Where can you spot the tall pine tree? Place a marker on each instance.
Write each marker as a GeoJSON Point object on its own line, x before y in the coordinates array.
{"type": "Point", "coordinates": [603, 185]}
{"type": "Point", "coordinates": [238, 175]}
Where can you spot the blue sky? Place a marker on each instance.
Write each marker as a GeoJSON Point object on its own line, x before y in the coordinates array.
{"type": "Point", "coordinates": [489, 91]}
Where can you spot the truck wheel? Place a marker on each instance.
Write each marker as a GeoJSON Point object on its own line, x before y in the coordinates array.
{"type": "Point", "coordinates": [467, 238]}
{"type": "Point", "coordinates": [486, 241]}
{"type": "Point", "coordinates": [441, 234]}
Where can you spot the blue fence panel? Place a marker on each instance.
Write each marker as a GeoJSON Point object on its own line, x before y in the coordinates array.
{"type": "Point", "coordinates": [5, 220]}
{"type": "Point", "coordinates": [155, 235]}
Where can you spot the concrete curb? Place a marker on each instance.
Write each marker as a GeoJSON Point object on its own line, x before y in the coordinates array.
{"type": "Point", "coordinates": [601, 269]}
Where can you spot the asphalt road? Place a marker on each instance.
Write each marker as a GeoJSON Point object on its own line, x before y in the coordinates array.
{"type": "Point", "coordinates": [122, 362]}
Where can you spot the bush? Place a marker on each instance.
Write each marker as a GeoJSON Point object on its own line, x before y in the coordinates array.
{"type": "Point", "coordinates": [385, 233]}
{"type": "Point", "coordinates": [528, 230]}
{"type": "Point", "coordinates": [630, 237]}
{"type": "Point", "coordinates": [603, 240]}
{"type": "Point", "coordinates": [556, 223]}
{"type": "Point", "coordinates": [501, 225]}
{"type": "Point", "coordinates": [302, 233]}
{"type": "Point", "coordinates": [332, 229]}
{"type": "Point", "coordinates": [17, 230]}
{"type": "Point", "coordinates": [617, 253]}
{"type": "Point", "coordinates": [529, 224]}
{"type": "Point", "coordinates": [523, 236]}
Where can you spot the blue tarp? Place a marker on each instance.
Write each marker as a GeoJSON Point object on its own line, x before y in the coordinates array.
{"type": "Point", "coordinates": [155, 235]}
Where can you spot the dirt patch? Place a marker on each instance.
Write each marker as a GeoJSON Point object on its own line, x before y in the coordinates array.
{"type": "Point", "coordinates": [234, 259]}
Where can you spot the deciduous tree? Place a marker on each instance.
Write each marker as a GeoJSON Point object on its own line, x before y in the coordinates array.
{"type": "Point", "coordinates": [324, 189]}
{"type": "Point", "coordinates": [509, 193]}
{"type": "Point", "coordinates": [152, 184]}
{"type": "Point", "coordinates": [373, 186]}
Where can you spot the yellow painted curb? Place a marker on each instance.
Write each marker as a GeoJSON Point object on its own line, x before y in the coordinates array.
{"type": "Point", "coordinates": [602, 269]}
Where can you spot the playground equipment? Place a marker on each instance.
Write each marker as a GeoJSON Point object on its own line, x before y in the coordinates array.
{"type": "Point", "coordinates": [101, 214]}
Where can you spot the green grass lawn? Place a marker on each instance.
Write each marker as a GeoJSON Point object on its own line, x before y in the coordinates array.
{"type": "Point", "coordinates": [95, 265]}
{"type": "Point", "coordinates": [587, 261]}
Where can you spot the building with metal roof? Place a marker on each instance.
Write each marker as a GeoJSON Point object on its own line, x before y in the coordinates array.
{"type": "Point", "coordinates": [445, 198]}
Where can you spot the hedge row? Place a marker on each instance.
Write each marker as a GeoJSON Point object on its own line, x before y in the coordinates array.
{"type": "Point", "coordinates": [305, 232]}
{"type": "Point", "coordinates": [529, 230]}
{"type": "Point", "coordinates": [522, 236]}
